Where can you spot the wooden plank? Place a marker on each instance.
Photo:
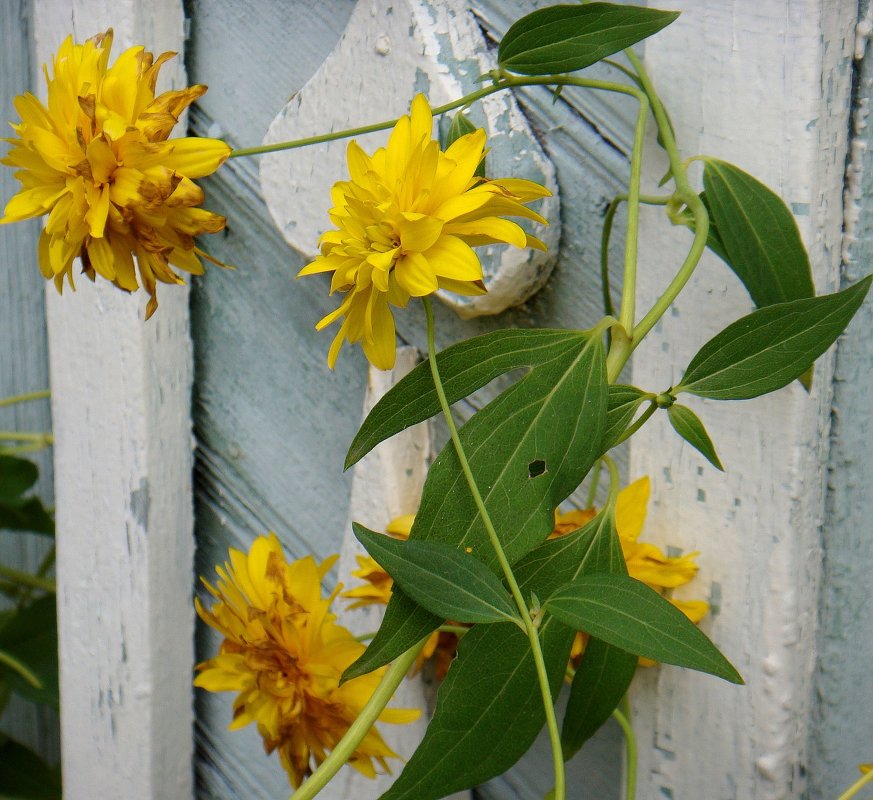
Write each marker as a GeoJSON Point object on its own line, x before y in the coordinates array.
{"type": "Point", "coordinates": [123, 467]}
{"type": "Point", "coordinates": [767, 86]}
{"type": "Point", "coordinates": [23, 356]}
{"type": "Point", "coordinates": [844, 681]}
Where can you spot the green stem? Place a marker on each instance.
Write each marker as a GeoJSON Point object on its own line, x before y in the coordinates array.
{"type": "Point", "coordinates": [608, 220]}
{"type": "Point", "coordinates": [27, 436]}
{"type": "Point", "coordinates": [23, 398]}
{"type": "Point", "coordinates": [627, 314]}
{"type": "Point", "coordinates": [368, 717]}
{"type": "Point", "coordinates": [643, 419]}
{"type": "Point", "coordinates": [595, 482]}
{"type": "Point", "coordinates": [22, 669]}
{"type": "Point", "coordinates": [502, 82]}
{"type": "Point", "coordinates": [542, 676]}
{"type": "Point", "coordinates": [856, 787]}
{"type": "Point", "coordinates": [622, 716]}
{"type": "Point", "coordinates": [26, 579]}
{"type": "Point", "coordinates": [686, 194]}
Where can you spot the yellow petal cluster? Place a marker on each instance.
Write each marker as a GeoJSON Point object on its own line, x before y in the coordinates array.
{"type": "Point", "coordinates": [406, 222]}
{"type": "Point", "coordinates": [96, 159]}
{"type": "Point", "coordinates": [283, 653]}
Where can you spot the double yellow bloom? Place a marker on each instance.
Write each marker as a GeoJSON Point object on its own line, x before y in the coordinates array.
{"type": "Point", "coordinates": [96, 159]}
{"type": "Point", "coordinates": [283, 654]}
{"type": "Point", "coordinates": [406, 222]}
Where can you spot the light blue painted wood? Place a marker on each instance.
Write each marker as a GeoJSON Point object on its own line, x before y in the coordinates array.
{"type": "Point", "coordinates": [23, 353]}
{"type": "Point", "coordinates": [272, 423]}
{"type": "Point", "coordinates": [844, 679]}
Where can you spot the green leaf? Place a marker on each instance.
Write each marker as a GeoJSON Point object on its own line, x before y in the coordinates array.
{"type": "Point", "coordinates": [600, 682]}
{"type": "Point", "coordinates": [528, 450]}
{"type": "Point", "coordinates": [17, 475]}
{"type": "Point", "coordinates": [769, 348]}
{"type": "Point", "coordinates": [566, 38]}
{"type": "Point", "coordinates": [29, 515]}
{"type": "Point", "coordinates": [756, 235]}
{"type": "Point", "coordinates": [25, 776]}
{"type": "Point", "coordinates": [461, 126]}
{"type": "Point", "coordinates": [624, 401]}
{"type": "Point", "coordinates": [688, 425]}
{"type": "Point", "coordinates": [30, 637]}
{"type": "Point", "coordinates": [447, 582]}
{"type": "Point", "coordinates": [488, 711]}
{"type": "Point", "coordinates": [464, 368]}
{"type": "Point", "coordinates": [628, 614]}
{"type": "Point", "coordinates": [605, 672]}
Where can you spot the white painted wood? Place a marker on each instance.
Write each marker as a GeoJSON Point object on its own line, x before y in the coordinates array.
{"type": "Point", "coordinates": [387, 483]}
{"type": "Point", "coordinates": [121, 410]}
{"type": "Point", "coordinates": [389, 52]}
{"type": "Point", "coordinates": [765, 85]}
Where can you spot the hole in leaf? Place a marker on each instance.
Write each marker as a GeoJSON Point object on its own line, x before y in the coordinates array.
{"type": "Point", "coordinates": [536, 468]}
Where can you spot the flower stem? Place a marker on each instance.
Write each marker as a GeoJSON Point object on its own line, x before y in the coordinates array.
{"type": "Point", "coordinates": [643, 419]}
{"type": "Point", "coordinates": [686, 194]}
{"type": "Point", "coordinates": [26, 579]}
{"type": "Point", "coordinates": [502, 82]}
{"type": "Point", "coordinates": [856, 787]}
{"type": "Point", "coordinates": [346, 746]}
{"type": "Point", "coordinates": [542, 676]}
{"type": "Point", "coordinates": [622, 716]}
{"type": "Point", "coordinates": [23, 398]}
{"type": "Point", "coordinates": [27, 436]}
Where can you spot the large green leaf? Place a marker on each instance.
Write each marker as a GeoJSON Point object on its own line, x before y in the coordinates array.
{"type": "Point", "coordinates": [30, 637]}
{"type": "Point", "coordinates": [758, 235]}
{"type": "Point", "coordinates": [528, 450]}
{"type": "Point", "coordinates": [688, 425]}
{"type": "Point", "coordinates": [25, 776]}
{"type": "Point", "coordinates": [464, 368]}
{"type": "Point", "coordinates": [602, 679]}
{"type": "Point", "coordinates": [769, 348]}
{"type": "Point", "coordinates": [17, 512]}
{"type": "Point", "coordinates": [566, 38]}
{"type": "Point", "coordinates": [626, 613]}
{"type": "Point", "coordinates": [17, 475]}
{"type": "Point", "coordinates": [488, 709]}
{"type": "Point", "coordinates": [447, 582]}
{"type": "Point", "coordinates": [28, 515]}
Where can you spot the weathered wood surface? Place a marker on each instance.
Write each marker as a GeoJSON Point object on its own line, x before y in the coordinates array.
{"type": "Point", "coordinates": [23, 353]}
{"type": "Point", "coordinates": [843, 714]}
{"type": "Point", "coordinates": [272, 422]}
{"type": "Point", "coordinates": [121, 414]}
{"type": "Point", "coordinates": [767, 86]}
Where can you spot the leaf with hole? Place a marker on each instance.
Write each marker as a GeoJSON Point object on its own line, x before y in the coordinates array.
{"type": "Point", "coordinates": [688, 425]}
{"type": "Point", "coordinates": [555, 415]}
{"type": "Point", "coordinates": [464, 368]}
{"type": "Point", "coordinates": [770, 347]}
{"type": "Point", "coordinates": [626, 613]}
{"type": "Point", "coordinates": [566, 38]}
{"type": "Point", "coordinates": [447, 582]}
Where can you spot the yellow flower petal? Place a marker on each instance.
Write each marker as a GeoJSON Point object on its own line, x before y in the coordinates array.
{"type": "Point", "coordinates": [630, 509]}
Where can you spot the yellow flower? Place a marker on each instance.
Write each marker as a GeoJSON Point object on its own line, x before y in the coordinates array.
{"type": "Point", "coordinates": [284, 653]}
{"type": "Point", "coordinates": [406, 222]}
{"type": "Point", "coordinates": [96, 160]}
